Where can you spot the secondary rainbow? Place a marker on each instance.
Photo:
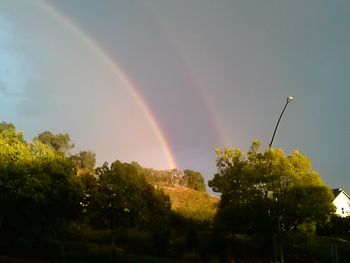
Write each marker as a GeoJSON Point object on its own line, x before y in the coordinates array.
{"type": "Point", "coordinates": [198, 84]}
{"type": "Point", "coordinates": [116, 69]}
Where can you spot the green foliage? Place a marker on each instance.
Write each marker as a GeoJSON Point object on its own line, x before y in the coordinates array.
{"type": "Point", "coordinates": [124, 199]}
{"type": "Point", "coordinates": [263, 190]}
{"type": "Point", "coordinates": [84, 162]}
{"type": "Point", "coordinates": [9, 130]}
{"type": "Point", "coordinates": [173, 178]}
{"type": "Point", "coordinates": [59, 142]}
{"type": "Point", "coordinates": [114, 200]}
{"type": "Point", "coordinates": [37, 186]}
{"type": "Point", "coordinates": [261, 193]}
{"type": "Point", "coordinates": [89, 191]}
{"type": "Point", "coordinates": [167, 178]}
{"type": "Point", "coordinates": [194, 180]}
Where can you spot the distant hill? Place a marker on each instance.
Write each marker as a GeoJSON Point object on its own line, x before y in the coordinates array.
{"type": "Point", "coordinates": [192, 204]}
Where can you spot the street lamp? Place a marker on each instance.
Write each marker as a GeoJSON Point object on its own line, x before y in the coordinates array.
{"type": "Point", "coordinates": [280, 246]}
{"type": "Point", "coordinates": [289, 99]}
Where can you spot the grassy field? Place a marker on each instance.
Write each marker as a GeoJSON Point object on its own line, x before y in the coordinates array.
{"type": "Point", "coordinates": [191, 203]}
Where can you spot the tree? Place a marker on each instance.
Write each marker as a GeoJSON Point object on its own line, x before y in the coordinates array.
{"type": "Point", "coordinates": [124, 199]}
{"type": "Point", "coordinates": [10, 130]}
{"type": "Point", "coordinates": [268, 192]}
{"type": "Point", "coordinates": [194, 180]}
{"type": "Point", "coordinates": [59, 142]}
{"type": "Point", "coordinates": [84, 162]}
{"type": "Point", "coordinates": [89, 191]}
{"type": "Point", "coordinates": [167, 178]}
{"type": "Point", "coordinates": [5, 126]}
{"type": "Point", "coordinates": [37, 186]}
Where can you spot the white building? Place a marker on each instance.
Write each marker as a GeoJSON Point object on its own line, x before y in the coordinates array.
{"type": "Point", "coordinates": [341, 202]}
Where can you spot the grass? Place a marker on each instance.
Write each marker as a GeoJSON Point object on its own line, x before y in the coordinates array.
{"type": "Point", "coordinates": [192, 204]}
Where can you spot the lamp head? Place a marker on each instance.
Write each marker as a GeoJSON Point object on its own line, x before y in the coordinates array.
{"type": "Point", "coordinates": [289, 99]}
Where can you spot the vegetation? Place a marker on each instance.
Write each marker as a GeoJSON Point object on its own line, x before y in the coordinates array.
{"type": "Point", "coordinates": [84, 162]}
{"type": "Point", "coordinates": [124, 200]}
{"type": "Point", "coordinates": [192, 204]}
{"type": "Point", "coordinates": [190, 179]}
{"type": "Point", "coordinates": [59, 142]}
{"type": "Point", "coordinates": [57, 206]}
{"type": "Point", "coordinates": [194, 180]}
{"type": "Point", "coordinates": [270, 194]}
{"type": "Point", "coordinates": [38, 188]}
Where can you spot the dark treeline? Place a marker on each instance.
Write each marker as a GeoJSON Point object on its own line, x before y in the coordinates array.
{"type": "Point", "coordinates": [57, 206]}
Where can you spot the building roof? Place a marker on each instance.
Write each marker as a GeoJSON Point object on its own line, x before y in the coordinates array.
{"type": "Point", "coordinates": [337, 191]}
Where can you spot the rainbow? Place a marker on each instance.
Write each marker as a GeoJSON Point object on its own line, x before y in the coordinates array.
{"type": "Point", "coordinates": [121, 75]}
{"type": "Point", "coordinates": [198, 83]}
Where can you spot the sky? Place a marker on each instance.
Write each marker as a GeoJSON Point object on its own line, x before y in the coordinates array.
{"type": "Point", "coordinates": [165, 82]}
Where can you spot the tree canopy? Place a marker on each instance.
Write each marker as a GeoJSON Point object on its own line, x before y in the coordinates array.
{"type": "Point", "coordinates": [84, 162]}
{"type": "Point", "coordinates": [37, 185]}
{"type": "Point", "coordinates": [194, 180]}
{"type": "Point", "coordinates": [59, 142]}
{"type": "Point", "coordinates": [261, 187]}
{"type": "Point", "coordinates": [124, 199]}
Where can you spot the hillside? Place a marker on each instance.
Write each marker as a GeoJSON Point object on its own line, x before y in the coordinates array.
{"type": "Point", "coordinates": [191, 203]}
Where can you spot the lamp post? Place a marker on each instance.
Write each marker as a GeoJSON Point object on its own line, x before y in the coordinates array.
{"type": "Point", "coordinates": [279, 250]}
{"type": "Point", "coordinates": [289, 99]}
